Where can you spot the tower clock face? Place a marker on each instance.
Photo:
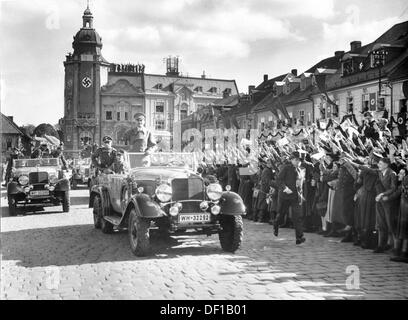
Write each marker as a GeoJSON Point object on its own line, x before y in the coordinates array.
{"type": "Point", "coordinates": [86, 82]}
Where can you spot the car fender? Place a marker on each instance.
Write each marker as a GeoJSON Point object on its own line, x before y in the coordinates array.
{"type": "Point", "coordinates": [95, 191]}
{"type": "Point", "coordinates": [231, 204]}
{"type": "Point", "coordinates": [13, 188]}
{"type": "Point", "coordinates": [147, 207]}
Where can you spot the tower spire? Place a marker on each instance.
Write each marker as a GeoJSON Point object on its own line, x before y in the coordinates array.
{"type": "Point", "coordinates": [87, 17]}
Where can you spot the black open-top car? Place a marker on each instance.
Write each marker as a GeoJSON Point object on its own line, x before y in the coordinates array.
{"type": "Point", "coordinates": [37, 183]}
{"type": "Point", "coordinates": [164, 192]}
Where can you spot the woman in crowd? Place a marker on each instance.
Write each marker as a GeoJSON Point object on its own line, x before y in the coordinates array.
{"type": "Point", "coordinates": [330, 177]}
{"type": "Point", "coordinates": [365, 205]}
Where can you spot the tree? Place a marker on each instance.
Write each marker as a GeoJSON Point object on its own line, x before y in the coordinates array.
{"type": "Point", "coordinates": [28, 129]}
{"type": "Point", "coordinates": [45, 128]}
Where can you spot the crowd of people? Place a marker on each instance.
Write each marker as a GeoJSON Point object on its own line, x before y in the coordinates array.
{"type": "Point", "coordinates": [351, 184]}
{"type": "Point", "coordinates": [346, 181]}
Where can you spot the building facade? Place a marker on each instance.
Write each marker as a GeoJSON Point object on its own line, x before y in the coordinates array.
{"type": "Point", "coordinates": [101, 98]}
{"type": "Point", "coordinates": [11, 135]}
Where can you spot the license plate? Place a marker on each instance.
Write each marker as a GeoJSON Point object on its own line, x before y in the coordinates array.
{"type": "Point", "coordinates": [193, 218]}
{"type": "Point", "coordinates": [39, 193]}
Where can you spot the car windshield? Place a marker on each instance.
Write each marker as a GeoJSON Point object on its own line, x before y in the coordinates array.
{"type": "Point", "coordinates": [42, 162]}
{"type": "Point", "coordinates": [82, 162]}
{"type": "Point", "coordinates": [162, 159]}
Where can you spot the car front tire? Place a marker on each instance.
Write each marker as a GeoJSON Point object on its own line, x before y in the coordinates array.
{"type": "Point", "coordinates": [66, 201]}
{"type": "Point", "coordinates": [232, 232]}
{"type": "Point", "coordinates": [97, 212]}
{"type": "Point", "coordinates": [12, 205]}
{"type": "Point", "coordinates": [139, 236]}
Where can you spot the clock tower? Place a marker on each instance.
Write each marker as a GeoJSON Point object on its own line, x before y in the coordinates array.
{"type": "Point", "coordinates": [85, 73]}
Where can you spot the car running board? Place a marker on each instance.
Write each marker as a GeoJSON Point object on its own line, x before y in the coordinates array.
{"type": "Point", "coordinates": [113, 219]}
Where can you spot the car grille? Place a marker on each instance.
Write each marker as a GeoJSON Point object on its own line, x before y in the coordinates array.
{"type": "Point", "coordinates": [188, 189]}
{"type": "Point", "coordinates": [38, 187]}
{"type": "Point", "coordinates": [38, 177]}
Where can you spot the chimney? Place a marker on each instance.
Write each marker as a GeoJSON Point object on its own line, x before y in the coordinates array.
{"type": "Point", "coordinates": [354, 45]}
{"type": "Point", "coordinates": [203, 75]}
{"type": "Point", "coordinates": [338, 54]}
{"type": "Point", "coordinates": [265, 77]}
{"type": "Point", "coordinates": [250, 89]}
{"type": "Point", "coordinates": [294, 72]}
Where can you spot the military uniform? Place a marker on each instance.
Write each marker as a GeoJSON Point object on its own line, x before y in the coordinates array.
{"type": "Point", "coordinates": [141, 140]}
{"type": "Point", "coordinates": [41, 153]}
{"type": "Point", "coordinates": [104, 157]}
{"type": "Point", "coordinates": [58, 154]}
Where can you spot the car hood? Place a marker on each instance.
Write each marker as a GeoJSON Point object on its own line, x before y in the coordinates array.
{"type": "Point", "coordinates": [162, 173]}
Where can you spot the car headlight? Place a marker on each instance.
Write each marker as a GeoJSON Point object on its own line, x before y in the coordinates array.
{"type": "Point", "coordinates": [174, 210]}
{"type": "Point", "coordinates": [164, 192]}
{"type": "Point", "coordinates": [204, 205]}
{"type": "Point", "coordinates": [53, 178]}
{"type": "Point", "coordinates": [23, 180]}
{"type": "Point", "coordinates": [215, 210]}
{"type": "Point", "coordinates": [214, 191]}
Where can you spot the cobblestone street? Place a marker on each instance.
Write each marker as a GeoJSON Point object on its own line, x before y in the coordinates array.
{"type": "Point", "coordinates": [56, 255]}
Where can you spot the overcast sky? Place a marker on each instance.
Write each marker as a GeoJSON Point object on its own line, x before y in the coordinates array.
{"type": "Point", "coordinates": [229, 39]}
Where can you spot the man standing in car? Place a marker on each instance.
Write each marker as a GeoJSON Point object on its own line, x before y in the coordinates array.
{"type": "Point", "coordinates": [140, 138]}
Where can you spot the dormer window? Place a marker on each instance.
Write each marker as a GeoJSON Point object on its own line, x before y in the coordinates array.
{"type": "Point", "coordinates": [199, 89]}
{"type": "Point", "coordinates": [348, 67]}
{"type": "Point", "coordinates": [227, 91]}
{"type": "Point", "coordinates": [159, 86]}
{"type": "Point", "coordinates": [213, 90]}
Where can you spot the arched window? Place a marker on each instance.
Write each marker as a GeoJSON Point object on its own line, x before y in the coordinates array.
{"type": "Point", "coordinates": [85, 137]}
{"type": "Point", "coordinates": [183, 111]}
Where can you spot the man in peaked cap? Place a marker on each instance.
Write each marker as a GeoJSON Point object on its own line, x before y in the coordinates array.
{"type": "Point", "coordinates": [288, 181]}
{"type": "Point", "coordinates": [141, 139]}
{"type": "Point", "coordinates": [104, 156]}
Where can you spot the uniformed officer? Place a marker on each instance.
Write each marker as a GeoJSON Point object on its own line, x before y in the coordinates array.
{"type": "Point", "coordinates": [104, 156]}
{"type": "Point", "coordinates": [141, 139]}
{"type": "Point", "coordinates": [119, 166]}
{"type": "Point", "coordinates": [41, 152]}
{"type": "Point", "coordinates": [58, 153]}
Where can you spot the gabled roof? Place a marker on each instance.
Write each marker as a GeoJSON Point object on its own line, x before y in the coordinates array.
{"type": "Point", "coordinates": [328, 63]}
{"type": "Point", "coordinates": [230, 101]}
{"type": "Point", "coordinates": [8, 126]}
{"type": "Point", "coordinates": [398, 34]}
{"type": "Point", "coordinates": [401, 72]}
{"type": "Point", "coordinates": [269, 83]}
